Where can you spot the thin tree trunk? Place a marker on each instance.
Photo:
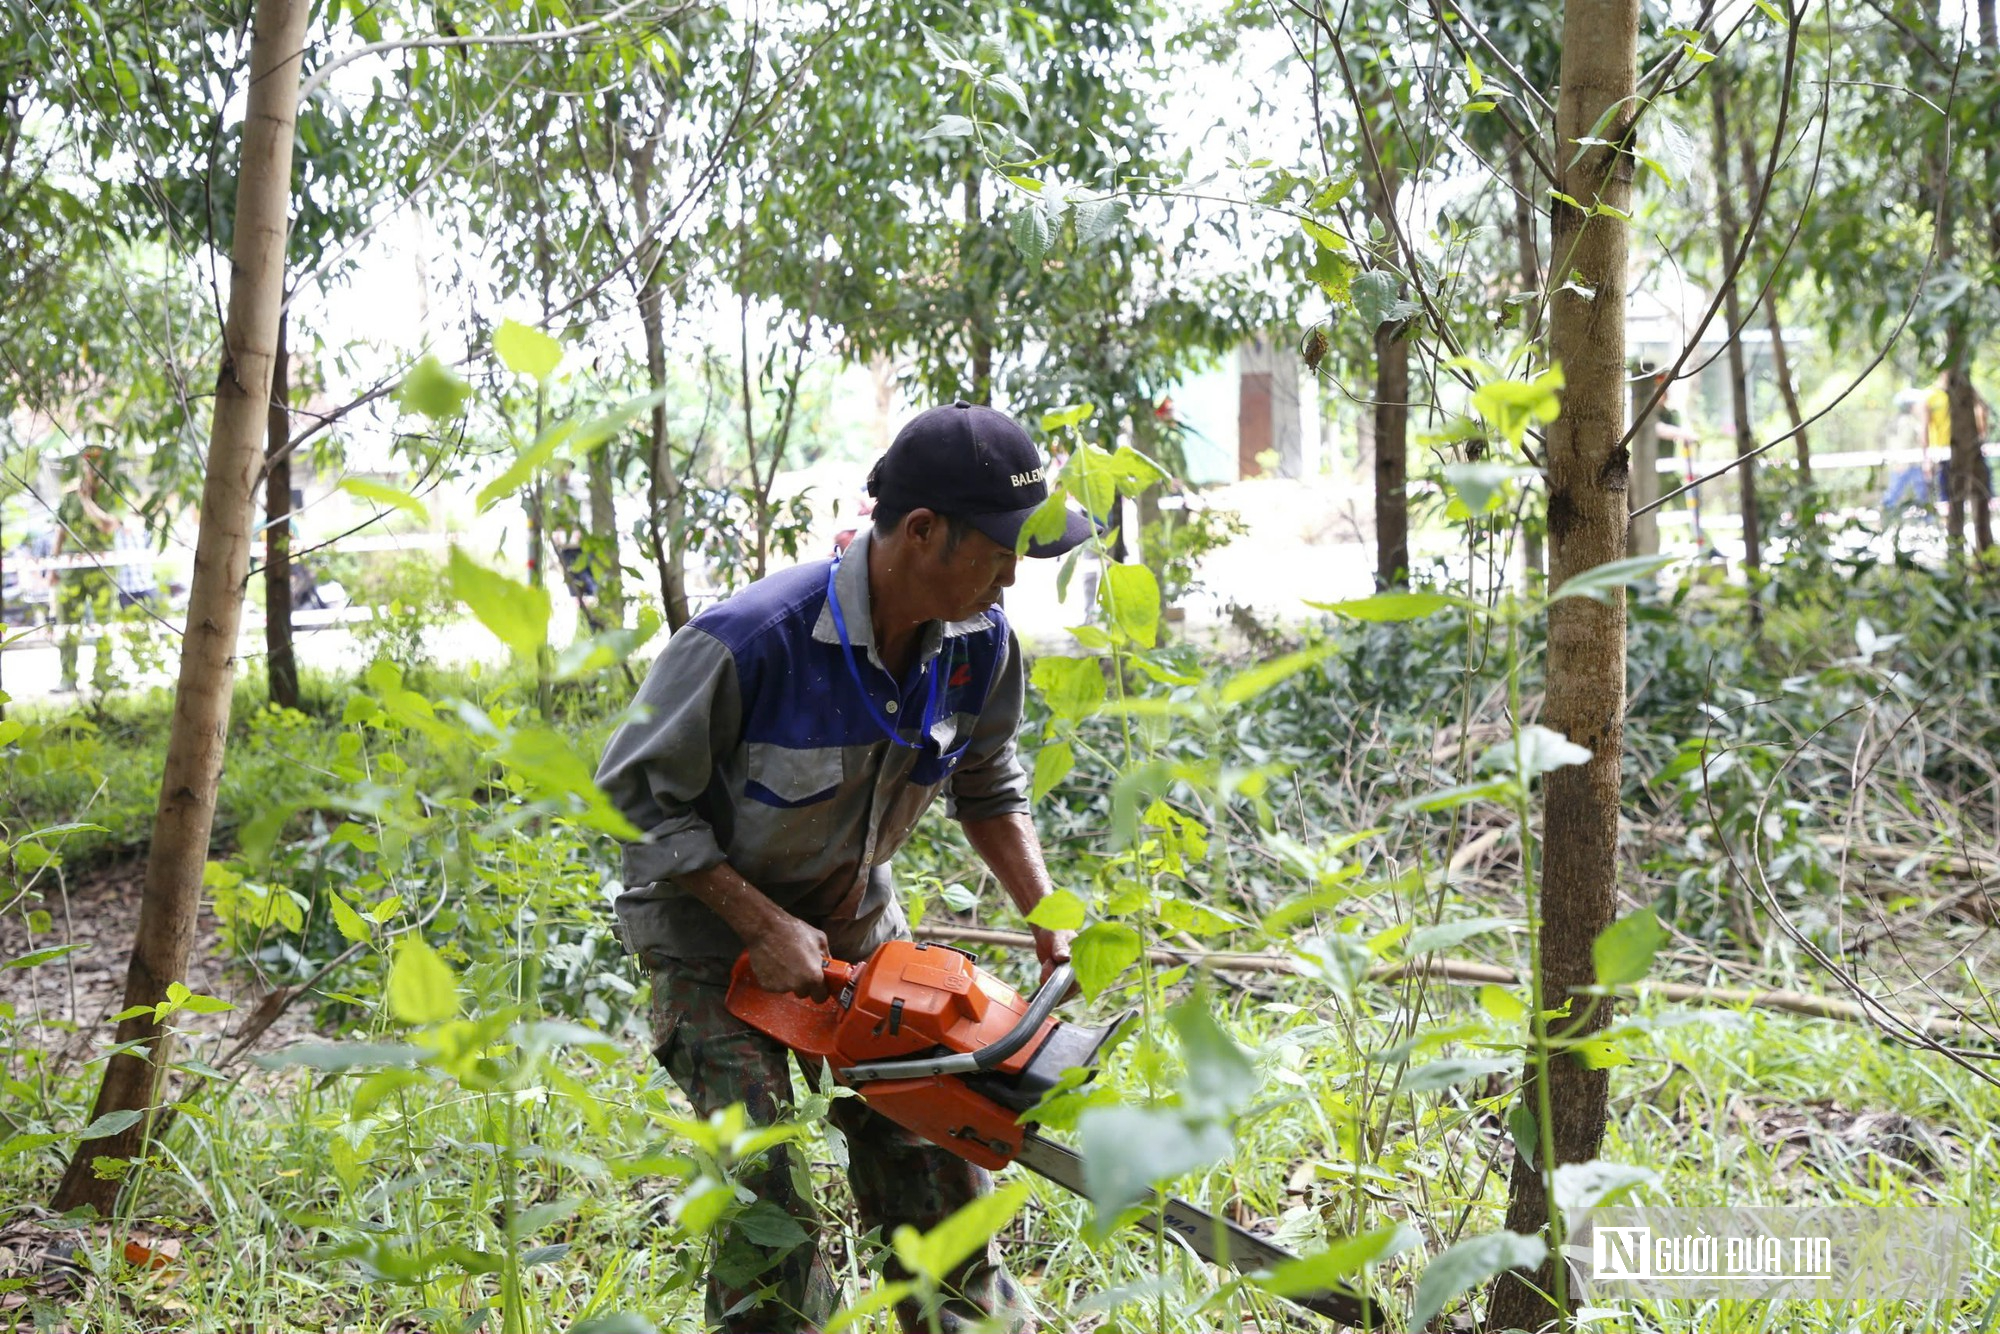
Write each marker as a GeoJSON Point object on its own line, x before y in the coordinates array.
{"type": "Point", "coordinates": [1392, 430]}
{"type": "Point", "coordinates": [134, 1077]}
{"type": "Point", "coordinates": [1969, 487]}
{"type": "Point", "coordinates": [607, 561]}
{"type": "Point", "coordinates": [666, 504]}
{"type": "Point", "coordinates": [978, 335]}
{"type": "Point", "coordinates": [1585, 671]}
{"type": "Point", "coordinates": [281, 668]}
{"type": "Point", "coordinates": [1739, 385]}
{"type": "Point", "coordinates": [1781, 364]}
{"type": "Point", "coordinates": [1528, 256]}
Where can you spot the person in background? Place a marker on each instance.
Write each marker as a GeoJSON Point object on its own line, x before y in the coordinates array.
{"type": "Point", "coordinates": [1910, 483]}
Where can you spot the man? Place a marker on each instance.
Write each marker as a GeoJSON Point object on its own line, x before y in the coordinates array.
{"type": "Point", "coordinates": [792, 737]}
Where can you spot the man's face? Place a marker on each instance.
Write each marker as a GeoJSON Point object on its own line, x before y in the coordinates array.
{"type": "Point", "coordinates": [969, 577]}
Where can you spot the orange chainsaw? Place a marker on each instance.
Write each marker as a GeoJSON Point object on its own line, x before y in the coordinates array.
{"type": "Point", "coordinates": [948, 1051]}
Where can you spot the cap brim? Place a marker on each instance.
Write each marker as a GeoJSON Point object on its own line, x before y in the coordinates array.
{"type": "Point", "coordinates": [1005, 528]}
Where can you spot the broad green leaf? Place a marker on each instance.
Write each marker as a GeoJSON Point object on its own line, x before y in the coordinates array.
{"type": "Point", "coordinates": [1053, 763]}
{"type": "Point", "coordinates": [1127, 1150]}
{"type": "Point", "coordinates": [111, 1123]}
{"type": "Point", "coordinates": [1221, 1079]}
{"type": "Point", "coordinates": [1536, 751]}
{"type": "Point", "coordinates": [1452, 1070]}
{"type": "Point", "coordinates": [1092, 477]}
{"type": "Point", "coordinates": [1134, 473]}
{"type": "Point", "coordinates": [383, 494]}
{"type": "Point", "coordinates": [1376, 301]}
{"type": "Point", "coordinates": [1046, 524]}
{"type": "Point", "coordinates": [1502, 1004]}
{"type": "Point", "coordinates": [525, 465]}
{"type": "Point", "coordinates": [1072, 687]}
{"type": "Point", "coordinates": [1059, 911]}
{"type": "Point", "coordinates": [34, 957]}
{"type": "Point", "coordinates": [1032, 229]}
{"type": "Point", "coordinates": [1325, 237]}
{"type": "Point", "coordinates": [1598, 1183]}
{"type": "Point", "coordinates": [1101, 952]}
{"type": "Point", "coordinates": [1481, 485]}
{"type": "Point", "coordinates": [558, 773]}
{"type": "Point", "coordinates": [1462, 794]}
{"type": "Point", "coordinates": [1623, 952]}
{"type": "Point", "coordinates": [1132, 596]}
{"type": "Point", "coordinates": [432, 389]}
{"type": "Point", "coordinates": [1316, 1273]}
{"type": "Point", "coordinates": [27, 1143]}
{"type": "Point", "coordinates": [936, 1253]}
{"type": "Point", "coordinates": [950, 127]}
{"type": "Point", "coordinates": [1444, 935]}
{"type": "Point", "coordinates": [336, 1056]}
{"type": "Point", "coordinates": [515, 612]}
{"type": "Point", "coordinates": [1514, 405]}
{"type": "Point", "coordinates": [768, 1225]}
{"type": "Point", "coordinates": [1247, 685]}
{"type": "Point", "coordinates": [1601, 581]}
{"type": "Point", "coordinates": [1074, 415]}
{"type": "Point", "coordinates": [345, 920]}
{"type": "Point", "coordinates": [526, 351]}
{"type": "Point", "coordinates": [422, 987]}
{"type": "Point", "coordinates": [1390, 606]}
{"type": "Point", "coordinates": [878, 1298]}
{"type": "Point", "coordinates": [1468, 1264]}
{"type": "Point", "coordinates": [1097, 219]}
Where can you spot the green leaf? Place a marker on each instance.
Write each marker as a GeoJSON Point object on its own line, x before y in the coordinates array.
{"type": "Point", "coordinates": [345, 920]}
{"type": "Point", "coordinates": [950, 127]}
{"type": "Point", "coordinates": [27, 1143]}
{"type": "Point", "coordinates": [530, 461]}
{"type": "Point", "coordinates": [1073, 688]}
{"type": "Point", "coordinates": [1092, 477]}
{"type": "Point", "coordinates": [936, 1253]}
{"type": "Point", "coordinates": [1444, 935]}
{"type": "Point", "coordinates": [1324, 237]}
{"type": "Point", "coordinates": [1452, 1070]}
{"type": "Point", "coordinates": [1502, 1004]}
{"type": "Point", "coordinates": [1046, 524]}
{"type": "Point", "coordinates": [1221, 1079]}
{"type": "Point", "coordinates": [1317, 1273]}
{"type": "Point", "coordinates": [770, 1227]}
{"type": "Point", "coordinates": [1623, 952]}
{"type": "Point", "coordinates": [1247, 685]}
{"type": "Point", "coordinates": [1597, 1183]}
{"type": "Point", "coordinates": [1053, 763]}
{"type": "Point", "coordinates": [383, 494]}
{"type": "Point", "coordinates": [1074, 415]}
{"type": "Point", "coordinates": [1534, 752]}
{"type": "Point", "coordinates": [1512, 405]}
{"type": "Point", "coordinates": [1059, 910]}
{"type": "Point", "coordinates": [1462, 794]}
{"type": "Point", "coordinates": [422, 987]}
{"type": "Point", "coordinates": [432, 389]}
{"type": "Point", "coordinates": [1390, 606]}
{"type": "Point", "coordinates": [1376, 302]}
{"type": "Point", "coordinates": [1032, 230]}
{"type": "Point", "coordinates": [1469, 1263]}
{"type": "Point", "coordinates": [526, 351]}
{"type": "Point", "coordinates": [1097, 219]}
{"type": "Point", "coordinates": [1100, 953]}
{"type": "Point", "coordinates": [1482, 485]}
{"type": "Point", "coordinates": [111, 1123]}
{"type": "Point", "coordinates": [1132, 596]}
{"type": "Point", "coordinates": [1126, 1150]}
{"type": "Point", "coordinates": [1599, 582]}
{"type": "Point", "coordinates": [1134, 473]}
{"type": "Point", "coordinates": [879, 1298]}
{"type": "Point", "coordinates": [196, 1003]}
{"type": "Point", "coordinates": [34, 957]}
{"type": "Point", "coordinates": [515, 612]}
{"type": "Point", "coordinates": [1473, 75]}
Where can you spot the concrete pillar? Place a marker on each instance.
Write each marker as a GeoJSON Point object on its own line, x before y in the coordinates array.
{"type": "Point", "coordinates": [1268, 416]}
{"type": "Point", "coordinates": [1642, 538]}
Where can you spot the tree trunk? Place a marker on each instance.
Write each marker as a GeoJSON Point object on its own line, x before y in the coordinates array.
{"type": "Point", "coordinates": [1781, 364]}
{"type": "Point", "coordinates": [1732, 305]}
{"type": "Point", "coordinates": [979, 336]}
{"type": "Point", "coordinates": [1392, 430]}
{"type": "Point", "coordinates": [666, 505]}
{"type": "Point", "coordinates": [1585, 671]}
{"type": "Point", "coordinates": [607, 562]}
{"type": "Point", "coordinates": [1969, 487]}
{"type": "Point", "coordinates": [186, 812]}
{"type": "Point", "coordinates": [281, 668]}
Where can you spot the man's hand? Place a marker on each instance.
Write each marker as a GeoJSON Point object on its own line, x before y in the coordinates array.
{"type": "Point", "coordinates": [790, 955]}
{"type": "Point", "coordinates": [1052, 948]}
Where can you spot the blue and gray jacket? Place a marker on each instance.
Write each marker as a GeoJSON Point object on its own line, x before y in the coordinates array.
{"type": "Point", "coordinates": [752, 745]}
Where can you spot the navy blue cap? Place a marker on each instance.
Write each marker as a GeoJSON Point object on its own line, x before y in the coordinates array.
{"type": "Point", "coordinates": [972, 463]}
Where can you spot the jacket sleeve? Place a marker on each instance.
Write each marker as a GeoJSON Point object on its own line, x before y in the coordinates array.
{"type": "Point", "coordinates": [989, 780]}
{"type": "Point", "coordinates": [658, 764]}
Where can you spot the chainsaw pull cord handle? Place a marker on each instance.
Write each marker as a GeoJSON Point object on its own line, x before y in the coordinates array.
{"type": "Point", "coordinates": [838, 974]}
{"type": "Point", "coordinates": [994, 1053]}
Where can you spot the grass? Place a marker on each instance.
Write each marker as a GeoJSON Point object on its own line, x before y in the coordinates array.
{"type": "Point", "coordinates": [309, 1200]}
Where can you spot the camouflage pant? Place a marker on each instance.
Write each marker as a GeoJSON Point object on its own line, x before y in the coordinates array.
{"type": "Point", "coordinates": [897, 1178]}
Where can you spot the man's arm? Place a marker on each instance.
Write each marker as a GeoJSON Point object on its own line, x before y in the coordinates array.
{"type": "Point", "coordinates": [786, 953]}
{"type": "Point", "coordinates": [1010, 846]}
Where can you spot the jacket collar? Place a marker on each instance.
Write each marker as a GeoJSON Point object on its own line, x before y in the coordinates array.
{"type": "Point", "coordinates": [850, 585]}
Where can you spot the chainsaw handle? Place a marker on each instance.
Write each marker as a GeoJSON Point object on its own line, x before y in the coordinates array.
{"type": "Point", "coordinates": [992, 1054]}
{"type": "Point", "coordinates": [838, 974]}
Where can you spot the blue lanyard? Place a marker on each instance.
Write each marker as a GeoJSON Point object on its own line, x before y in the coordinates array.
{"type": "Point", "coordinates": [868, 700]}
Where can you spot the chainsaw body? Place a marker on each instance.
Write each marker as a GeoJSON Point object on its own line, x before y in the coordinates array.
{"type": "Point", "coordinates": [931, 1040]}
